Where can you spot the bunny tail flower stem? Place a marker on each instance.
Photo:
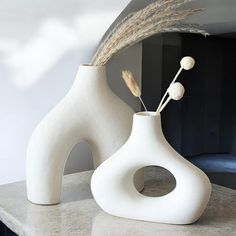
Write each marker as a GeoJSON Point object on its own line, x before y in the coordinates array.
{"type": "Point", "coordinates": [175, 90]}
{"type": "Point", "coordinates": [186, 63]}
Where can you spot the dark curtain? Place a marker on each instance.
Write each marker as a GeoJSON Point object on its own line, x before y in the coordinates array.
{"type": "Point", "coordinates": [204, 121]}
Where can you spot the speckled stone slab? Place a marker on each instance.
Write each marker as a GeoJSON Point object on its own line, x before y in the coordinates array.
{"type": "Point", "coordinates": [78, 214]}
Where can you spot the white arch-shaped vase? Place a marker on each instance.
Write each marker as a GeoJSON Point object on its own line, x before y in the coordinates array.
{"type": "Point", "coordinates": [113, 186]}
{"type": "Point", "coordinates": [89, 112]}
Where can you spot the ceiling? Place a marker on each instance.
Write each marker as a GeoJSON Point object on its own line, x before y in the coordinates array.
{"type": "Point", "coordinates": [219, 16]}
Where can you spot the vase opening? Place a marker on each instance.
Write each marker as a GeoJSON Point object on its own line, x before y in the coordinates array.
{"type": "Point", "coordinates": [159, 180]}
{"type": "Point", "coordinates": [147, 113]}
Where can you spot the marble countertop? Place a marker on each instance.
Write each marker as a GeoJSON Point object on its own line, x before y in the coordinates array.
{"type": "Point", "coordinates": [78, 214]}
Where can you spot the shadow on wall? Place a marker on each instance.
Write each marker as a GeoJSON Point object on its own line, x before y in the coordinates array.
{"type": "Point", "coordinates": [30, 61]}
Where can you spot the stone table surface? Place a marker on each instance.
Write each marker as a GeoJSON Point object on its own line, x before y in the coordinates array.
{"type": "Point", "coordinates": [78, 214]}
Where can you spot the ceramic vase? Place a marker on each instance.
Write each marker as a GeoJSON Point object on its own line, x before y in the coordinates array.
{"type": "Point", "coordinates": [114, 189]}
{"type": "Point", "coordinates": [89, 112]}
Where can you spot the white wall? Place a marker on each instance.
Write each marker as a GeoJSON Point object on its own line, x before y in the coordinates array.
{"type": "Point", "coordinates": [41, 45]}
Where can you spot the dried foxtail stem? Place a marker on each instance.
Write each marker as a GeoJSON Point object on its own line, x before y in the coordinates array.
{"type": "Point", "coordinates": [157, 17]}
{"type": "Point", "coordinates": [127, 76]}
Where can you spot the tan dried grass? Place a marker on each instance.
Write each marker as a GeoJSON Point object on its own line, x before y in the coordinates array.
{"type": "Point", "coordinates": [127, 76]}
{"type": "Point", "coordinates": [160, 16]}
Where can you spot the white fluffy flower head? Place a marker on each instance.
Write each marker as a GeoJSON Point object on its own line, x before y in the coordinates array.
{"type": "Point", "coordinates": [176, 91]}
{"type": "Point", "coordinates": [187, 63]}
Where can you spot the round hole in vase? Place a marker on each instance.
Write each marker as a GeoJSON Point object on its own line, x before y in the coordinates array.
{"type": "Point", "coordinates": [158, 181]}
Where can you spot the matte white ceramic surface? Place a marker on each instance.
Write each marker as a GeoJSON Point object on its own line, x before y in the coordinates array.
{"type": "Point", "coordinates": [89, 112]}
{"type": "Point", "coordinates": [113, 187]}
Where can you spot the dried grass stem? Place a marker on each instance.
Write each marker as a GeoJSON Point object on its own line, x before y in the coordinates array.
{"type": "Point", "coordinates": [157, 17]}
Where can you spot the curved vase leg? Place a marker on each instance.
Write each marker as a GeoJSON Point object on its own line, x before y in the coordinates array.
{"type": "Point", "coordinates": [48, 150]}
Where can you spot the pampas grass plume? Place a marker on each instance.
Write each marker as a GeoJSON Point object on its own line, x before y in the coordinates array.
{"type": "Point", "coordinates": [157, 17]}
